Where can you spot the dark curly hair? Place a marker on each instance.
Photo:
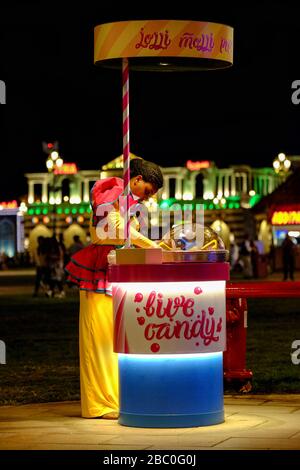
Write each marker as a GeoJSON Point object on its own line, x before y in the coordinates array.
{"type": "Point", "coordinates": [150, 172]}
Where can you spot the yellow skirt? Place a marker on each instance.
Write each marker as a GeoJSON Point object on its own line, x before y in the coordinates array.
{"type": "Point", "coordinates": [98, 363]}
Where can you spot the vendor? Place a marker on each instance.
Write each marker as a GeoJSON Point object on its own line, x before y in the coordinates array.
{"type": "Point", "coordinates": [87, 269]}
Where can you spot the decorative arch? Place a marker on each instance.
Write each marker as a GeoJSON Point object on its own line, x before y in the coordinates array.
{"type": "Point", "coordinates": [39, 231]}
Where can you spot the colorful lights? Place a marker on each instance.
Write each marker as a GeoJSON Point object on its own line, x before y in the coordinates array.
{"type": "Point", "coordinates": [164, 205]}
{"type": "Point", "coordinates": [187, 197]}
{"type": "Point", "coordinates": [197, 166]}
{"type": "Point", "coordinates": [286, 218]}
{"type": "Point", "coordinates": [254, 199]}
{"type": "Point", "coordinates": [294, 233]}
{"type": "Point", "coordinates": [217, 203]}
{"type": "Point", "coordinates": [208, 195]}
{"type": "Point", "coordinates": [23, 207]}
{"type": "Point", "coordinates": [281, 164]}
{"type": "Point", "coordinates": [75, 200]}
{"type": "Point", "coordinates": [65, 168]}
{"type": "Point", "coordinates": [63, 208]}
{"type": "Point", "coordinates": [9, 204]}
{"type": "Point", "coordinates": [54, 155]}
{"type": "Point", "coordinates": [49, 164]}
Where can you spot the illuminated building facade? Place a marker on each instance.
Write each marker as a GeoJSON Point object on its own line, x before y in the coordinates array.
{"type": "Point", "coordinates": [278, 214]}
{"type": "Point", "coordinates": [66, 200]}
{"type": "Point", "coordinates": [226, 194]}
{"type": "Point", "coordinates": [11, 229]}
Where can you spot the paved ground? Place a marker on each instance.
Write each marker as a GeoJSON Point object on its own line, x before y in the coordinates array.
{"type": "Point", "coordinates": [252, 422]}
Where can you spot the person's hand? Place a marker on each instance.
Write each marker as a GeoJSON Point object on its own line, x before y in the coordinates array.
{"type": "Point", "coordinates": [164, 246]}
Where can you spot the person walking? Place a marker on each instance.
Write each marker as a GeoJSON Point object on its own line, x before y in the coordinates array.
{"type": "Point", "coordinates": [63, 248]}
{"type": "Point", "coordinates": [41, 265]}
{"type": "Point", "coordinates": [254, 258]}
{"type": "Point", "coordinates": [56, 269]}
{"type": "Point", "coordinates": [288, 258]}
{"type": "Point", "coordinates": [245, 256]}
{"type": "Point", "coordinates": [77, 245]}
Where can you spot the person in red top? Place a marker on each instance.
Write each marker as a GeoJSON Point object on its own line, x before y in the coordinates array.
{"type": "Point", "coordinates": [87, 268]}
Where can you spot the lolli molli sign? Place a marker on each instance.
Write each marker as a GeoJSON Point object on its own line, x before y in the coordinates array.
{"type": "Point", "coordinates": [172, 39]}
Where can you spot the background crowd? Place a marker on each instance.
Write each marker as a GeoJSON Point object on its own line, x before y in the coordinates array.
{"type": "Point", "coordinates": [50, 259]}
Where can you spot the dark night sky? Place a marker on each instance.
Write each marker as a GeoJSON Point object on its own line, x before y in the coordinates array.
{"type": "Point", "coordinates": [239, 115]}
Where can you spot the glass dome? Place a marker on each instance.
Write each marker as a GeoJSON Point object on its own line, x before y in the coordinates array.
{"type": "Point", "coordinates": [193, 242]}
{"type": "Point", "coordinates": [191, 237]}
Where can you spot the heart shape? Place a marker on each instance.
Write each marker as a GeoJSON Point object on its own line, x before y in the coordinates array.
{"type": "Point", "coordinates": [141, 320]}
{"type": "Point", "coordinates": [197, 290]}
{"type": "Point", "coordinates": [138, 297]}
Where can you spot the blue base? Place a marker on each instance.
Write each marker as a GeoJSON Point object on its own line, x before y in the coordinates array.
{"type": "Point", "coordinates": [171, 421]}
{"type": "Point", "coordinates": [171, 390]}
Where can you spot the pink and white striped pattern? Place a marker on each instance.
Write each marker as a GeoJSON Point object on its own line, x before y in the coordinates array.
{"type": "Point", "coordinates": [126, 157]}
{"type": "Point", "coordinates": [120, 337]}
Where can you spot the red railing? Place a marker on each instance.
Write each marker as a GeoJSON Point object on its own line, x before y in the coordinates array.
{"type": "Point", "coordinates": [263, 289]}
{"type": "Point", "coordinates": [237, 293]}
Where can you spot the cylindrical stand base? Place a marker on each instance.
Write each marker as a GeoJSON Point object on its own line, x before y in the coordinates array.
{"type": "Point", "coordinates": [164, 391]}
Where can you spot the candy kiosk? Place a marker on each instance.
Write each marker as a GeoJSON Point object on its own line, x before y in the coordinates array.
{"type": "Point", "coordinates": [170, 330]}
{"type": "Point", "coordinates": [169, 302]}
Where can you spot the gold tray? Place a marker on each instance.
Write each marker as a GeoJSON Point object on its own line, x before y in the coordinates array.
{"type": "Point", "coordinates": [200, 256]}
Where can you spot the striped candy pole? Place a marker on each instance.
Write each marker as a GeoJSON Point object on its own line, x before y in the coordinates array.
{"type": "Point", "coordinates": [126, 158]}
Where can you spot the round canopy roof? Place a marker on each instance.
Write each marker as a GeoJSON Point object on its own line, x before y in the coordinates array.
{"type": "Point", "coordinates": [164, 45]}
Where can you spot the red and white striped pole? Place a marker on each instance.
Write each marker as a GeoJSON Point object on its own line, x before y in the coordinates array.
{"type": "Point", "coordinates": [126, 156]}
